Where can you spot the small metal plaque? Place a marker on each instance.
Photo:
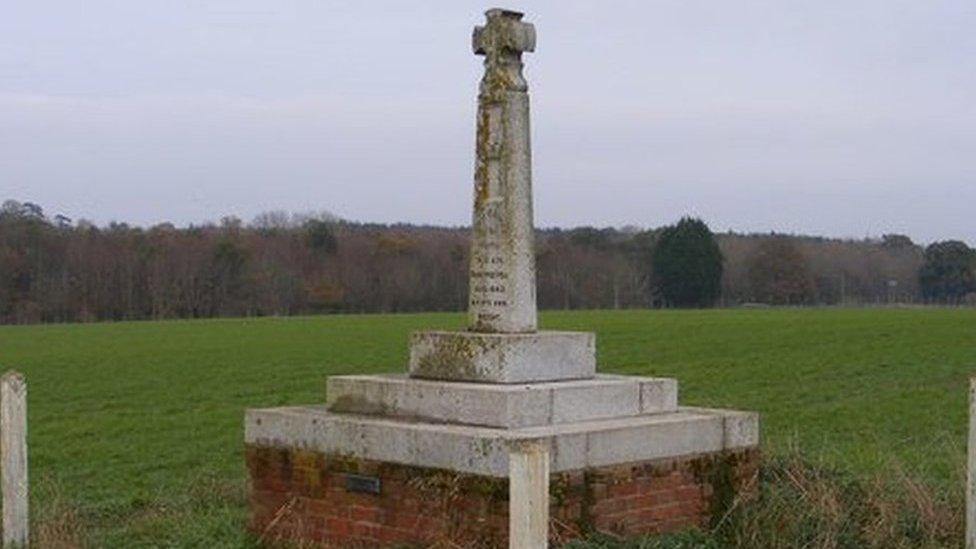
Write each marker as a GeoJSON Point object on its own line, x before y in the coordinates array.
{"type": "Point", "coordinates": [362, 484]}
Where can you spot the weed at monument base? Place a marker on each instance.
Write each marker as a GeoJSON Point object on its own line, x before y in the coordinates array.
{"type": "Point", "coordinates": [801, 504]}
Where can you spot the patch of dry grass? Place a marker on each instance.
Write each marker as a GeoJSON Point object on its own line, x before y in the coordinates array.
{"type": "Point", "coordinates": [799, 504]}
{"type": "Point", "coordinates": [56, 524]}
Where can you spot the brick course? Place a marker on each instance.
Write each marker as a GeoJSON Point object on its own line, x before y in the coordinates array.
{"type": "Point", "coordinates": [301, 495]}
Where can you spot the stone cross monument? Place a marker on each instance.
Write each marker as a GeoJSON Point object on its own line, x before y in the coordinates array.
{"type": "Point", "coordinates": [502, 344]}
{"type": "Point", "coordinates": [502, 275]}
{"type": "Point", "coordinates": [486, 414]}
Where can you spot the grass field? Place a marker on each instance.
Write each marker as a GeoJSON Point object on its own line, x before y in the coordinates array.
{"type": "Point", "coordinates": [136, 428]}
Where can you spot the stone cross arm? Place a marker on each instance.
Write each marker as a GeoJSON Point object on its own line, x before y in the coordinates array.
{"type": "Point", "coordinates": [504, 32]}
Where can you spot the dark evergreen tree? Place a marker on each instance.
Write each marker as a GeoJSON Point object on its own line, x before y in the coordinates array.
{"type": "Point", "coordinates": [949, 271]}
{"type": "Point", "coordinates": [688, 265]}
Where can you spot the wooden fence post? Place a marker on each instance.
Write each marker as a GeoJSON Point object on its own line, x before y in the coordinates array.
{"type": "Point", "coordinates": [971, 470]}
{"type": "Point", "coordinates": [528, 495]}
{"type": "Point", "coordinates": [13, 454]}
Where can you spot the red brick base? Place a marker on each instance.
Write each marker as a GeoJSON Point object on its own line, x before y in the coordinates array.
{"type": "Point", "coordinates": [302, 495]}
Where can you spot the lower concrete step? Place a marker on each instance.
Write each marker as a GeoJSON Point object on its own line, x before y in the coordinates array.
{"type": "Point", "coordinates": [502, 405]}
{"type": "Point", "coordinates": [484, 450]}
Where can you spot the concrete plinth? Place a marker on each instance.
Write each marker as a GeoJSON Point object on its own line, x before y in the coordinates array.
{"type": "Point", "coordinates": [503, 358]}
{"type": "Point", "coordinates": [484, 450]}
{"type": "Point", "coordinates": [502, 405]}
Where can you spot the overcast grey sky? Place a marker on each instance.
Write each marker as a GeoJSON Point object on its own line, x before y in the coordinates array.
{"type": "Point", "coordinates": [848, 118]}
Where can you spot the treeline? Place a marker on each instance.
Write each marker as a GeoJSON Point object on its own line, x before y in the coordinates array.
{"type": "Point", "coordinates": [55, 270]}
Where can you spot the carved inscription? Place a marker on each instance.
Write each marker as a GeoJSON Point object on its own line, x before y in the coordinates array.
{"type": "Point", "coordinates": [489, 274]}
{"type": "Point", "coordinates": [489, 279]}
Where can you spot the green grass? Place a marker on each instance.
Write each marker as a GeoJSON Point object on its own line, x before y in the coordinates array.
{"type": "Point", "coordinates": [137, 427]}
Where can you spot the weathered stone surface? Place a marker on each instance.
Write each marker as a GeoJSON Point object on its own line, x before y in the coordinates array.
{"type": "Point", "coordinates": [502, 265]}
{"type": "Point", "coordinates": [483, 450]}
{"type": "Point", "coordinates": [658, 394]}
{"type": "Point", "coordinates": [501, 405]}
{"type": "Point", "coordinates": [503, 358]}
{"type": "Point", "coordinates": [740, 429]}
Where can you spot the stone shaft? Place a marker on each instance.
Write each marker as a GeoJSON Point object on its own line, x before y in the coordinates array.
{"type": "Point", "coordinates": [502, 269]}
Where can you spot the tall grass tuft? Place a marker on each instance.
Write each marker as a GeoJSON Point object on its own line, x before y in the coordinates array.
{"type": "Point", "coordinates": [57, 525]}
{"type": "Point", "coordinates": [799, 504]}
{"type": "Point", "coordinates": [795, 503]}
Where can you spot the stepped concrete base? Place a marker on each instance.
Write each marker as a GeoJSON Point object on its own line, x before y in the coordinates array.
{"type": "Point", "coordinates": [484, 451]}
{"type": "Point", "coordinates": [502, 405]}
{"type": "Point", "coordinates": [503, 358]}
